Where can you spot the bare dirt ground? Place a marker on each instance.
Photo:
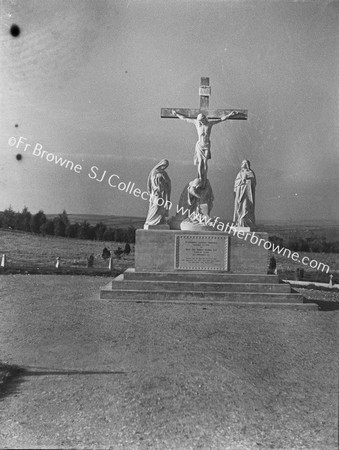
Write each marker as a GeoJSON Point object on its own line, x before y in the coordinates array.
{"type": "Point", "coordinates": [154, 376]}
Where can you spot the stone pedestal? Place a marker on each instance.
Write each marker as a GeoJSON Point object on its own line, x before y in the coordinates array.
{"type": "Point", "coordinates": [178, 250]}
{"type": "Point", "coordinates": [176, 266]}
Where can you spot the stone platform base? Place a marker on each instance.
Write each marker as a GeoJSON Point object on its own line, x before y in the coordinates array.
{"type": "Point", "coordinates": [176, 250]}
{"type": "Point", "coordinates": [175, 266]}
{"type": "Point", "coordinates": [212, 288]}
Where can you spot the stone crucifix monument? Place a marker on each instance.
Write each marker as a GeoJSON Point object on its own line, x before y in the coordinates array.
{"type": "Point", "coordinates": [191, 263]}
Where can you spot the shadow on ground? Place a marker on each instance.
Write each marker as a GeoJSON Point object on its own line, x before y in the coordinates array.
{"type": "Point", "coordinates": [11, 378]}
{"type": "Point", "coordinates": [39, 373]}
{"type": "Point", "coordinates": [12, 382]}
{"type": "Point", "coordinates": [324, 305]}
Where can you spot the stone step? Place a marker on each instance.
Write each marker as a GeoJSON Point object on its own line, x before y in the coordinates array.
{"type": "Point", "coordinates": [202, 286]}
{"type": "Point", "coordinates": [263, 305]}
{"type": "Point", "coordinates": [130, 274]}
{"type": "Point", "coordinates": [197, 296]}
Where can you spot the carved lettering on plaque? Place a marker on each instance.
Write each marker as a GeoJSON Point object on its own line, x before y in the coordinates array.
{"type": "Point", "coordinates": [201, 252]}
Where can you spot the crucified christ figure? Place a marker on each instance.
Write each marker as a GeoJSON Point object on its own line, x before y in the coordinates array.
{"type": "Point", "coordinates": [203, 145]}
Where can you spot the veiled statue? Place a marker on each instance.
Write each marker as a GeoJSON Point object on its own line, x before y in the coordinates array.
{"type": "Point", "coordinates": [159, 189]}
{"type": "Point", "coordinates": [195, 203]}
{"type": "Point", "coordinates": [200, 196]}
{"type": "Point", "coordinates": [244, 202]}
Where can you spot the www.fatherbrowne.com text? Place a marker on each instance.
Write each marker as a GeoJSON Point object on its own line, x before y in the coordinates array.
{"type": "Point", "coordinates": [253, 239]}
{"type": "Point", "coordinates": [113, 181]}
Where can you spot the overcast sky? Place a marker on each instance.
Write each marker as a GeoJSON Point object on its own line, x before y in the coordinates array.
{"type": "Point", "coordinates": [87, 79]}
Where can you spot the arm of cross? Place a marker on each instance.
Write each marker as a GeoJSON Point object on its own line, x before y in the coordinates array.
{"type": "Point", "coordinates": [225, 117]}
{"type": "Point", "coordinates": [182, 117]}
{"type": "Point", "coordinates": [211, 114]}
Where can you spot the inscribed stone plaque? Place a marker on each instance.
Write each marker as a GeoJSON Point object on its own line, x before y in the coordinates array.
{"type": "Point", "coordinates": [201, 252]}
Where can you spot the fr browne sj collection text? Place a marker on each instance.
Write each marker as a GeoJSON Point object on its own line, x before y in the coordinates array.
{"type": "Point", "coordinates": [94, 172]}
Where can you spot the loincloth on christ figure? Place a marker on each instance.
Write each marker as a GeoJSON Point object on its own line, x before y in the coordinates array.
{"type": "Point", "coordinates": [202, 152]}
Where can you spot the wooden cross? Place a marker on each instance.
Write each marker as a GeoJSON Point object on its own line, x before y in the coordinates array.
{"type": "Point", "coordinates": [204, 94]}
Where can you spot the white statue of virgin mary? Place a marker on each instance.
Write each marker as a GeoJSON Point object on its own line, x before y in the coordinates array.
{"type": "Point", "coordinates": [159, 189]}
{"type": "Point", "coordinates": [244, 202]}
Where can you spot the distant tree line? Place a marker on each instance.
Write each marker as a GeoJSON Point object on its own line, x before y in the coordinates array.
{"type": "Point", "coordinates": [312, 243]}
{"type": "Point", "coordinates": [61, 226]}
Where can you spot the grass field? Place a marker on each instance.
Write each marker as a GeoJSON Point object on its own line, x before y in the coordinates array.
{"type": "Point", "coordinates": [287, 231]}
{"type": "Point", "coordinates": [331, 259]}
{"type": "Point", "coordinates": [35, 250]}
